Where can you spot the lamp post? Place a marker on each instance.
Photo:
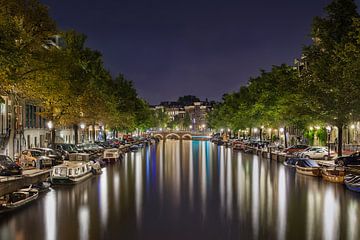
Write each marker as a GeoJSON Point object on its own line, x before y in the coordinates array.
{"type": "Point", "coordinates": [82, 126]}
{"type": "Point", "coordinates": [50, 126]}
{"type": "Point", "coordinates": [328, 131]}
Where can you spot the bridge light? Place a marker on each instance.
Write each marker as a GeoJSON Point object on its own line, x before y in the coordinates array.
{"type": "Point", "coordinates": [190, 127]}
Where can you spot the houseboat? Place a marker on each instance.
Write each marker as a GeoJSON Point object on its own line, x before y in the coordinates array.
{"type": "Point", "coordinates": [71, 172]}
{"type": "Point", "coordinates": [111, 155]}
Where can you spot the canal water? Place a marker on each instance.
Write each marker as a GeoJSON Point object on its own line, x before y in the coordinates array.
{"type": "Point", "coordinates": [190, 190]}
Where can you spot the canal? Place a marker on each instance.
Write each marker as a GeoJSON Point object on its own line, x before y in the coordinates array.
{"type": "Point", "coordinates": [190, 190]}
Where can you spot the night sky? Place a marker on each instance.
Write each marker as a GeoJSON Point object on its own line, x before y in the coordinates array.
{"type": "Point", "coordinates": [206, 48]}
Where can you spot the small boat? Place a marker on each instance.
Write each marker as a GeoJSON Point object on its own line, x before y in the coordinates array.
{"type": "Point", "coordinates": [42, 187]}
{"type": "Point", "coordinates": [352, 182]}
{"type": "Point", "coordinates": [96, 168]}
{"type": "Point", "coordinates": [71, 172]}
{"type": "Point", "coordinates": [134, 148]}
{"type": "Point", "coordinates": [18, 199]}
{"type": "Point", "coordinates": [333, 174]}
{"type": "Point", "coordinates": [308, 167]}
{"type": "Point", "coordinates": [291, 162]}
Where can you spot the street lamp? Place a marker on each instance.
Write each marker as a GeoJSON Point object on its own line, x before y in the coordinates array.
{"type": "Point", "coordinates": [50, 126]}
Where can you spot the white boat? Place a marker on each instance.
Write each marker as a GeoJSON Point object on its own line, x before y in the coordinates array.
{"type": "Point", "coordinates": [71, 172]}
{"type": "Point", "coordinates": [18, 199]}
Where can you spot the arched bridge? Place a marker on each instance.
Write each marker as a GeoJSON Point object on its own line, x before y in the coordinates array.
{"type": "Point", "coordinates": [181, 135]}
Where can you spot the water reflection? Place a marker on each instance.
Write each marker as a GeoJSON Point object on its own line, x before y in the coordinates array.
{"type": "Point", "coordinates": [50, 217]}
{"type": "Point", "coordinates": [191, 190]}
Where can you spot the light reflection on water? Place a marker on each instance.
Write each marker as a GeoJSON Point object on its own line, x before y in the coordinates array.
{"type": "Point", "coordinates": [190, 190]}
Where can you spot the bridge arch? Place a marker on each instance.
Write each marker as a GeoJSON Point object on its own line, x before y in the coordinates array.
{"type": "Point", "coordinates": [187, 136]}
{"type": "Point", "coordinates": [158, 135]}
{"type": "Point", "coordinates": [171, 135]}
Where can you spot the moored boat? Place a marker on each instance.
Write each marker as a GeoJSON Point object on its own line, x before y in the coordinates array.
{"type": "Point", "coordinates": [71, 172]}
{"type": "Point", "coordinates": [308, 167]}
{"type": "Point", "coordinates": [112, 155]}
{"type": "Point", "coordinates": [352, 182]}
{"type": "Point", "coordinates": [134, 148]}
{"type": "Point", "coordinates": [333, 174]}
{"type": "Point", "coordinates": [291, 162]}
{"type": "Point", "coordinates": [18, 199]}
{"type": "Point", "coordinates": [42, 187]}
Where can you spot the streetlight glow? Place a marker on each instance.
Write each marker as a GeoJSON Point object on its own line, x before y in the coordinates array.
{"type": "Point", "coordinates": [82, 126]}
{"type": "Point", "coordinates": [50, 125]}
{"type": "Point", "coordinates": [281, 130]}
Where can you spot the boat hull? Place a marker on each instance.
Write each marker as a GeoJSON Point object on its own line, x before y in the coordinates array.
{"type": "Point", "coordinates": [352, 187]}
{"type": "Point", "coordinates": [310, 171]}
{"type": "Point", "coordinates": [333, 176]}
{"type": "Point", "coordinates": [70, 180]}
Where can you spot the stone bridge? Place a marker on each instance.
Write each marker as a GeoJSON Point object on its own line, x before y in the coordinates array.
{"type": "Point", "coordinates": [182, 135]}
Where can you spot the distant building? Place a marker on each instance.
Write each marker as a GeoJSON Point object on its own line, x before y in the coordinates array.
{"type": "Point", "coordinates": [197, 112]}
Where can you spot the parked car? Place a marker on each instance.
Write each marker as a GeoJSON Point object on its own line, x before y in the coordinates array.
{"type": "Point", "coordinates": [90, 148]}
{"type": "Point", "coordinates": [351, 160]}
{"type": "Point", "coordinates": [65, 149]}
{"type": "Point", "coordinates": [295, 148]}
{"type": "Point", "coordinates": [8, 167]}
{"type": "Point", "coordinates": [35, 158]}
{"type": "Point", "coordinates": [55, 155]}
{"type": "Point", "coordinates": [314, 153]}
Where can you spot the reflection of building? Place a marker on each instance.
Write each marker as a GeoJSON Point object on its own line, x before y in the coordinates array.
{"type": "Point", "coordinates": [197, 112]}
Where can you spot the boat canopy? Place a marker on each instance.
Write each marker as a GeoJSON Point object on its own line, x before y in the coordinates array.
{"type": "Point", "coordinates": [307, 163]}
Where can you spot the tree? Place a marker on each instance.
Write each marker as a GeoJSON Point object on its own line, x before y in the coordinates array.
{"type": "Point", "coordinates": [331, 81]}
{"type": "Point", "coordinates": [24, 26]}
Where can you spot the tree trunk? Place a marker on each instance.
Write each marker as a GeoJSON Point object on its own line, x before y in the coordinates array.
{"type": "Point", "coordinates": [285, 138]}
{"type": "Point", "coordinates": [93, 133]}
{"type": "Point", "coordinates": [76, 133]}
{"type": "Point", "coordinates": [340, 139]}
{"type": "Point", "coordinates": [53, 136]}
{"type": "Point", "coordinates": [12, 128]}
{"type": "Point", "coordinates": [261, 131]}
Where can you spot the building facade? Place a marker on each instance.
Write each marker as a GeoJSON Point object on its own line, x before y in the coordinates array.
{"type": "Point", "coordinates": [196, 112]}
